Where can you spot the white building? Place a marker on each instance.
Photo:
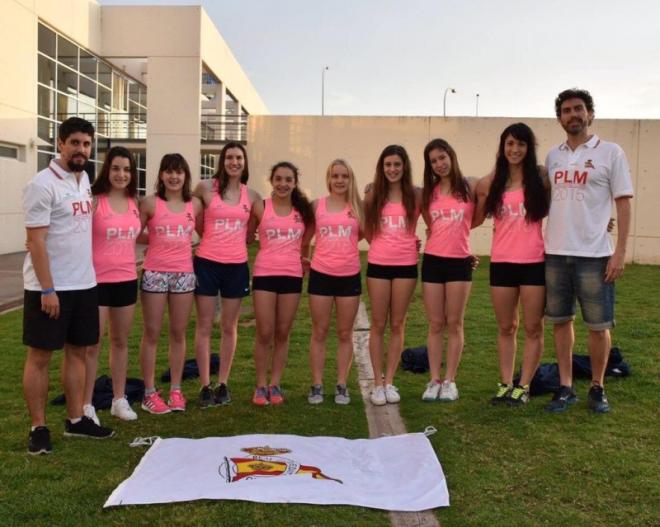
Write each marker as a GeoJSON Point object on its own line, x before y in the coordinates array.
{"type": "Point", "coordinates": [154, 79]}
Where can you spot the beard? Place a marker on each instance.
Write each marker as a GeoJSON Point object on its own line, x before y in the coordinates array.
{"type": "Point", "coordinates": [75, 165]}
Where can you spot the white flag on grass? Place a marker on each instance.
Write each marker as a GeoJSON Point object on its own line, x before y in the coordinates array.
{"type": "Point", "coordinates": [399, 473]}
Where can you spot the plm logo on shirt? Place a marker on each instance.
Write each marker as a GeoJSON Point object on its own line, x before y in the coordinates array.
{"type": "Point", "coordinates": [589, 164]}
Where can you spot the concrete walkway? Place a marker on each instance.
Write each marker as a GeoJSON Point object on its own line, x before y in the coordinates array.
{"type": "Point", "coordinates": [382, 420]}
{"type": "Point", "coordinates": [11, 281]}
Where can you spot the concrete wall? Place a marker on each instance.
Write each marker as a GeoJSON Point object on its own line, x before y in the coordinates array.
{"type": "Point", "coordinates": [312, 142]}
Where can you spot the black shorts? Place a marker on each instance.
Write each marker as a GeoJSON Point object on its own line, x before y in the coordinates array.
{"type": "Point", "coordinates": [282, 285]}
{"type": "Point", "coordinates": [440, 270]}
{"type": "Point", "coordinates": [78, 323]}
{"type": "Point", "coordinates": [328, 285]}
{"type": "Point", "coordinates": [391, 272]}
{"type": "Point", "coordinates": [504, 274]}
{"type": "Point", "coordinates": [231, 280]}
{"type": "Point", "coordinates": [117, 294]}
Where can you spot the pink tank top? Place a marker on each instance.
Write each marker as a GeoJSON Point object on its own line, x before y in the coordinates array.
{"type": "Point", "coordinates": [170, 239]}
{"type": "Point", "coordinates": [224, 238]}
{"type": "Point", "coordinates": [514, 239]}
{"type": "Point", "coordinates": [336, 241]}
{"type": "Point", "coordinates": [395, 243]}
{"type": "Point", "coordinates": [451, 219]}
{"type": "Point", "coordinates": [113, 241]}
{"type": "Point", "coordinates": [280, 241]}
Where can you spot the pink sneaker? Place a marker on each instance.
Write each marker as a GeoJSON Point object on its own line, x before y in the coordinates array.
{"type": "Point", "coordinates": [154, 404]}
{"type": "Point", "coordinates": [177, 402]}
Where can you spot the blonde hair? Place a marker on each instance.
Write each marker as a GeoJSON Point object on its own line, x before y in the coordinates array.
{"type": "Point", "coordinates": [352, 196]}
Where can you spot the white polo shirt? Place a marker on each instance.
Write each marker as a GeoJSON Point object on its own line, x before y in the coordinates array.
{"type": "Point", "coordinates": [54, 199]}
{"type": "Point", "coordinates": [584, 184]}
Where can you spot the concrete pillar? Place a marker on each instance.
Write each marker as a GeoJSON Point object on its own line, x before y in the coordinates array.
{"type": "Point", "coordinates": [221, 108]}
{"type": "Point", "coordinates": [174, 112]}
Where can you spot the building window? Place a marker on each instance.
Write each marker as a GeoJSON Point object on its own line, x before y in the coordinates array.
{"type": "Point", "coordinates": [8, 151]}
{"type": "Point", "coordinates": [74, 82]}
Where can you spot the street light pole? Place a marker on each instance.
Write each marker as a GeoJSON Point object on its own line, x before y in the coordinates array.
{"type": "Point", "coordinates": [476, 112]}
{"type": "Point", "coordinates": [444, 101]}
{"type": "Point", "coordinates": [325, 68]}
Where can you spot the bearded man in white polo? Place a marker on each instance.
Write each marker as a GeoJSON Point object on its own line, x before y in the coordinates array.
{"type": "Point", "coordinates": [60, 299]}
{"type": "Point", "coordinates": [587, 175]}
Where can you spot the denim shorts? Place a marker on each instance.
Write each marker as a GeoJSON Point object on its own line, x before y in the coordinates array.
{"type": "Point", "coordinates": [568, 278]}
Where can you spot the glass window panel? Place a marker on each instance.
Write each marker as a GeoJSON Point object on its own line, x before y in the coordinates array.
{"type": "Point", "coordinates": [46, 41]}
{"type": "Point", "coordinates": [43, 160]}
{"type": "Point", "coordinates": [46, 71]}
{"type": "Point", "coordinates": [143, 96]}
{"type": "Point", "coordinates": [87, 111]}
{"type": "Point", "coordinates": [105, 74]}
{"type": "Point", "coordinates": [103, 123]}
{"type": "Point", "coordinates": [88, 64]}
{"type": "Point", "coordinates": [66, 107]}
{"type": "Point", "coordinates": [104, 98]}
{"type": "Point", "coordinates": [46, 102]}
{"type": "Point", "coordinates": [133, 92]}
{"type": "Point", "coordinates": [87, 91]}
{"type": "Point", "coordinates": [67, 52]}
{"type": "Point", "coordinates": [46, 131]}
{"type": "Point", "coordinates": [67, 81]}
{"type": "Point", "coordinates": [119, 86]}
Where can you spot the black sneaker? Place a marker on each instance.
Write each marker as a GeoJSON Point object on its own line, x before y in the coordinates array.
{"type": "Point", "coordinates": [87, 428]}
{"type": "Point", "coordinates": [39, 441]}
{"type": "Point", "coordinates": [222, 394]}
{"type": "Point", "coordinates": [562, 399]}
{"type": "Point", "coordinates": [598, 400]}
{"type": "Point", "coordinates": [206, 398]}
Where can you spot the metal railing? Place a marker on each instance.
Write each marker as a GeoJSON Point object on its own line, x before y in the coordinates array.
{"type": "Point", "coordinates": [133, 126]}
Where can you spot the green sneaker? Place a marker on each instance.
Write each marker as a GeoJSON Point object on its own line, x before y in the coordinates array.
{"type": "Point", "coordinates": [519, 396]}
{"type": "Point", "coordinates": [502, 395]}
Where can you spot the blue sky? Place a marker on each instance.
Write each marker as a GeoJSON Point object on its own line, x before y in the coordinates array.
{"type": "Point", "coordinates": [391, 57]}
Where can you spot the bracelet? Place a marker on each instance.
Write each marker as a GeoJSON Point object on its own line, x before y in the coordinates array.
{"type": "Point", "coordinates": [48, 291]}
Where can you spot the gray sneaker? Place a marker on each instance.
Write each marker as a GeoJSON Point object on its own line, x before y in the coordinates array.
{"type": "Point", "coordinates": [341, 394]}
{"type": "Point", "coordinates": [315, 395]}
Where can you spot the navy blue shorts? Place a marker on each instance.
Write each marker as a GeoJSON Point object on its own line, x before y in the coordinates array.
{"type": "Point", "coordinates": [231, 280]}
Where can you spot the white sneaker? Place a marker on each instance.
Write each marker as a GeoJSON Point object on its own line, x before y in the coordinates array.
{"type": "Point", "coordinates": [432, 391]}
{"type": "Point", "coordinates": [378, 396]}
{"type": "Point", "coordinates": [392, 394]}
{"type": "Point", "coordinates": [90, 411]}
{"type": "Point", "coordinates": [448, 391]}
{"type": "Point", "coordinates": [120, 408]}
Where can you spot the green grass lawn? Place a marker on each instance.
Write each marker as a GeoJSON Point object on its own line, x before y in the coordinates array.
{"type": "Point", "coordinates": [503, 466]}
{"type": "Point", "coordinates": [524, 466]}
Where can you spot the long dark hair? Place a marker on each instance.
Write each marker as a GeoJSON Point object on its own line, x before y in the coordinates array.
{"type": "Point", "coordinates": [298, 199]}
{"type": "Point", "coordinates": [374, 207]}
{"type": "Point", "coordinates": [174, 162]}
{"type": "Point", "coordinates": [102, 183]}
{"type": "Point", "coordinates": [536, 196]}
{"type": "Point", "coordinates": [221, 175]}
{"type": "Point", "coordinates": [459, 187]}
